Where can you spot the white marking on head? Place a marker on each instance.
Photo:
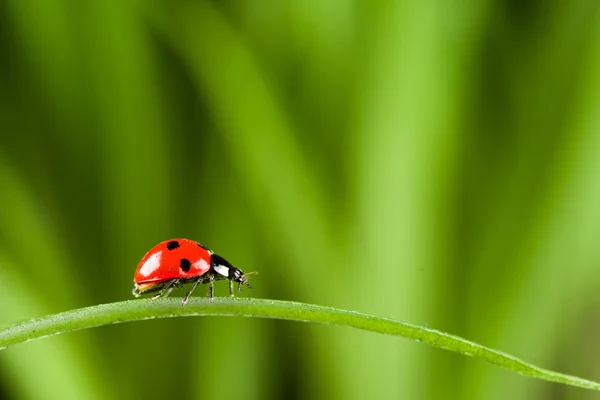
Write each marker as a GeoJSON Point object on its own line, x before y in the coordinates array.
{"type": "Point", "coordinates": [151, 264]}
{"type": "Point", "coordinates": [221, 270]}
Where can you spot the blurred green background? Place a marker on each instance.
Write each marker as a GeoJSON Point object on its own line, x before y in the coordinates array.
{"type": "Point", "coordinates": [433, 162]}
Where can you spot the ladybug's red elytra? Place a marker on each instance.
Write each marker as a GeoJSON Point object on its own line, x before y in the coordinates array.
{"type": "Point", "coordinates": [173, 263]}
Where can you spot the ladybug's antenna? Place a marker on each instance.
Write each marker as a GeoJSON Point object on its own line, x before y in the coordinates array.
{"type": "Point", "coordinates": [245, 281]}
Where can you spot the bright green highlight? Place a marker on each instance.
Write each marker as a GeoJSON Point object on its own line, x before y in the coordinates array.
{"type": "Point", "coordinates": [135, 310]}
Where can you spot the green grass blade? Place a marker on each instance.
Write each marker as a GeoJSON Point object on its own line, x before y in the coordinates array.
{"type": "Point", "coordinates": [135, 310]}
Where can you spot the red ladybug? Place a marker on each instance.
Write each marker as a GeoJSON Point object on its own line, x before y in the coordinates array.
{"type": "Point", "coordinates": [173, 263]}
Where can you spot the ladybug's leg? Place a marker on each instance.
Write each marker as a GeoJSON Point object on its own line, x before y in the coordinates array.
{"type": "Point", "coordinates": [211, 287]}
{"type": "Point", "coordinates": [187, 295]}
{"type": "Point", "coordinates": [166, 290]}
{"type": "Point", "coordinates": [176, 285]}
{"type": "Point", "coordinates": [231, 288]}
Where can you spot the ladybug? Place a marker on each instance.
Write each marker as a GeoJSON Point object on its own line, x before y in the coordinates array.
{"type": "Point", "coordinates": [173, 263]}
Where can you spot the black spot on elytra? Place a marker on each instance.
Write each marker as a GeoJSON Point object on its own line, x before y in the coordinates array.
{"type": "Point", "coordinates": [172, 245]}
{"type": "Point", "coordinates": [185, 264]}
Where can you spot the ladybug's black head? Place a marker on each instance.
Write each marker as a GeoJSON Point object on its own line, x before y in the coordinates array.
{"type": "Point", "coordinates": [224, 270]}
{"type": "Point", "coordinates": [237, 275]}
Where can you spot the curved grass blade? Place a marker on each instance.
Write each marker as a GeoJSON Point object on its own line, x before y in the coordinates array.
{"type": "Point", "coordinates": [135, 310]}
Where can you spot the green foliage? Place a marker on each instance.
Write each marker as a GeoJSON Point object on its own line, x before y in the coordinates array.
{"type": "Point", "coordinates": [431, 162]}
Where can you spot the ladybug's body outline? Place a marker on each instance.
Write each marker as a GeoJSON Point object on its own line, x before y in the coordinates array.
{"type": "Point", "coordinates": [176, 262]}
